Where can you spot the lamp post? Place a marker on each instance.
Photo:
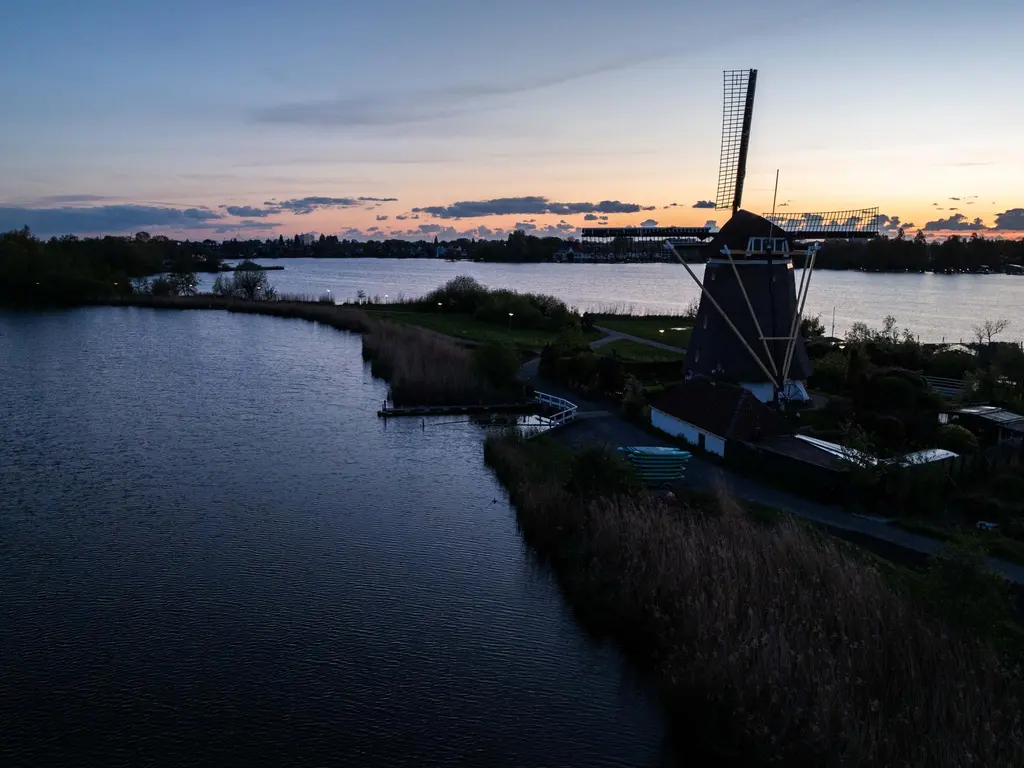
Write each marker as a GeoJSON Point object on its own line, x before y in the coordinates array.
{"type": "Point", "coordinates": [510, 320]}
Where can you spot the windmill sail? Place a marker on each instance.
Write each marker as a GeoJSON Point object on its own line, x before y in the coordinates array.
{"type": "Point", "coordinates": [737, 115]}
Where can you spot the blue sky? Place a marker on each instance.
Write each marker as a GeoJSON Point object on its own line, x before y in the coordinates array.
{"type": "Point", "coordinates": [130, 115]}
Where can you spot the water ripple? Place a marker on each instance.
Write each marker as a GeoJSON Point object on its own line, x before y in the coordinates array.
{"type": "Point", "coordinates": [213, 552]}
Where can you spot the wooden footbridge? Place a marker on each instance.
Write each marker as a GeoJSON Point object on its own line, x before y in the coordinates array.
{"type": "Point", "coordinates": [551, 410]}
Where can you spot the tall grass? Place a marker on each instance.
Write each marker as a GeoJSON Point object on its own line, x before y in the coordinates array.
{"type": "Point", "coordinates": [423, 367]}
{"type": "Point", "coordinates": [806, 652]}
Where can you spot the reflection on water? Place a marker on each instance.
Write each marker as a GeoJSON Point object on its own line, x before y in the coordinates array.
{"type": "Point", "coordinates": [213, 552]}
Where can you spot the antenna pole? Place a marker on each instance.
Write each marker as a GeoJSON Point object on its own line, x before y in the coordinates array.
{"type": "Point", "coordinates": [775, 197]}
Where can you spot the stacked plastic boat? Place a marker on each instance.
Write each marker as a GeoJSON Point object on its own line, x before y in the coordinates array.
{"type": "Point", "coordinates": [656, 465]}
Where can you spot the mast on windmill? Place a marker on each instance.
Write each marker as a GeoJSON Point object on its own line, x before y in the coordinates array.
{"type": "Point", "coordinates": [747, 328]}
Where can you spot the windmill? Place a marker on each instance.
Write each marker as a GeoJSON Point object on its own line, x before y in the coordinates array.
{"type": "Point", "coordinates": [747, 327]}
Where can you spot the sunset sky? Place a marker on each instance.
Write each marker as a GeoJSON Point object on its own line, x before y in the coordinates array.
{"type": "Point", "coordinates": [222, 118]}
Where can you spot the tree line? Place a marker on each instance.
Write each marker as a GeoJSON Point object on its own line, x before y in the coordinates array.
{"type": "Point", "coordinates": [902, 254]}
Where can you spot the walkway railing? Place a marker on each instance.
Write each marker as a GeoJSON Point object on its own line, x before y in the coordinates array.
{"type": "Point", "coordinates": [564, 410]}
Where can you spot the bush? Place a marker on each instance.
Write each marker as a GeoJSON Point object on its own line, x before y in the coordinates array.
{"type": "Point", "coordinates": [460, 294]}
{"type": "Point", "coordinates": [960, 586]}
{"type": "Point", "coordinates": [951, 364]}
{"type": "Point", "coordinates": [953, 437]}
{"type": "Point", "coordinates": [497, 363]}
{"type": "Point", "coordinates": [600, 471]}
{"type": "Point", "coordinates": [829, 372]}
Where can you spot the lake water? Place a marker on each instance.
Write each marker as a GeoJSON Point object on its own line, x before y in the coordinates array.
{"type": "Point", "coordinates": [935, 307]}
{"type": "Point", "coordinates": [212, 552]}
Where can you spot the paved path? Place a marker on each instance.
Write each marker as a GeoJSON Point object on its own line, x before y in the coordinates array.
{"type": "Point", "coordinates": [619, 336]}
{"type": "Point", "coordinates": [704, 474]}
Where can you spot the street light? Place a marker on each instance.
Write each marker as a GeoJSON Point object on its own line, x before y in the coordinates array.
{"type": "Point", "coordinates": [510, 321]}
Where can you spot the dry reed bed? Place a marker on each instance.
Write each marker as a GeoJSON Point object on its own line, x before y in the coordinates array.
{"type": "Point", "coordinates": [423, 368]}
{"type": "Point", "coordinates": [807, 653]}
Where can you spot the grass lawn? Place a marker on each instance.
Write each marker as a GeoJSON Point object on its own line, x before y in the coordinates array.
{"type": "Point", "coordinates": [676, 329]}
{"type": "Point", "coordinates": [637, 352]}
{"type": "Point", "coordinates": [468, 327]}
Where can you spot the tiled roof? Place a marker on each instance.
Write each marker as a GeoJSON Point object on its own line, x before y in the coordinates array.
{"type": "Point", "coordinates": [726, 410]}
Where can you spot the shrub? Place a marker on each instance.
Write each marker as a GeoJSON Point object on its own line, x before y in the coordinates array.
{"type": "Point", "coordinates": [600, 471]}
{"type": "Point", "coordinates": [961, 587]}
{"type": "Point", "coordinates": [460, 294]}
{"type": "Point", "coordinates": [497, 363]}
{"type": "Point", "coordinates": [829, 372]}
{"type": "Point", "coordinates": [161, 286]}
{"type": "Point", "coordinates": [953, 437]}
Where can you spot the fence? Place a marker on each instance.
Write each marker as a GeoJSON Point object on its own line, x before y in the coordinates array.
{"type": "Point", "coordinates": [564, 410]}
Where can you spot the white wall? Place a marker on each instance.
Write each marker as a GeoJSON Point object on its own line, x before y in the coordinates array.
{"type": "Point", "coordinates": [670, 425]}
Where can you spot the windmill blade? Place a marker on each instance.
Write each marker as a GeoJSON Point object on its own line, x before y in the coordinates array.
{"type": "Point", "coordinates": [829, 225]}
{"type": "Point", "coordinates": [737, 114]}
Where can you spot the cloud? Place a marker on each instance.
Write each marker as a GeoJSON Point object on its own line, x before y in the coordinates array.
{"type": "Point", "coordinates": [430, 228]}
{"type": "Point", "coordinates": [934, 203]}
{"type": "Point", "coordinates": [529, 205]}
{"type": "Point", "coordinates": [649, 223]}
{"type": "Point", "coordinates": [247, 211]}
{"type": "Point", "coordinates": [955, 223]}
{"type": "Point", "coordinates": [603, 218]}
{"type": "Point", "coordinates": [251, 226]}
{"type": "Point", "coordinates": [886, 224]}
{"type": "Point", "coordinates": [954, 209]}
{"type": "Point", "coordinates": [703, 204]}
{"type": "Point", "coordinates": [103, 219]}
{"type": "Point", "coordinates": [590, 217]}
{"type": "Point", "coordinates": [64, 199]}
{"type": "Point", "coordinates": [381, 217]}
{"type": "Point", "coordinates": [420, 105]}
{"type": "Point", "coordinates": [304, 205]}
{"type": "Point", "coordinates": [373, 229]}
{"type": "Point", "coordinates": [955, 198]}
{"type": "Point", "coordinates": [402, 216]}
{"type": "Point", "coordinates": [525, 226]}
{"type": "Point", "coordinates": [1010, 220]}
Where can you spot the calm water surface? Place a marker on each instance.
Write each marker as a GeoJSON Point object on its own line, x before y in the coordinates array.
{"type": "Point", "coordinates": [212, 552]}
{"type": "Point", "coordinates": [932, 306]}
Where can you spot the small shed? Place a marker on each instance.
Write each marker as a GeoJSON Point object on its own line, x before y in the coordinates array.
{"type": "Point", "coordinates": [993, 425]}
{"type": "Point", "coordinates": [708, 414]}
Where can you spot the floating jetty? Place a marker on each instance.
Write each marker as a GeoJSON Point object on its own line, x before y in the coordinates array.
{"type": "Point", "coordinates": [457, 410]}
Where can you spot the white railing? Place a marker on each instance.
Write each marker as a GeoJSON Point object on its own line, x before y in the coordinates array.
{"type": "Point", "coordinates": [565, 411]}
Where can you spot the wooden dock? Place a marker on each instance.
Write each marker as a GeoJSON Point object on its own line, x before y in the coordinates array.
{"type": "Point", "coordinates": [457, 410]}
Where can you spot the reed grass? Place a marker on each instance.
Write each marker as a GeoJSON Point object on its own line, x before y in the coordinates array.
{"type": "Point", "coordinates": [807, 653]}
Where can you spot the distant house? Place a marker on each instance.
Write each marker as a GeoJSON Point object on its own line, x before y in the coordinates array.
{"type": "Point", "coordinates": [564, 254]}
{"type": "Point", "coordinates": [710, 414]}
{"type": "Point", "coordinates": [308, 238]}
